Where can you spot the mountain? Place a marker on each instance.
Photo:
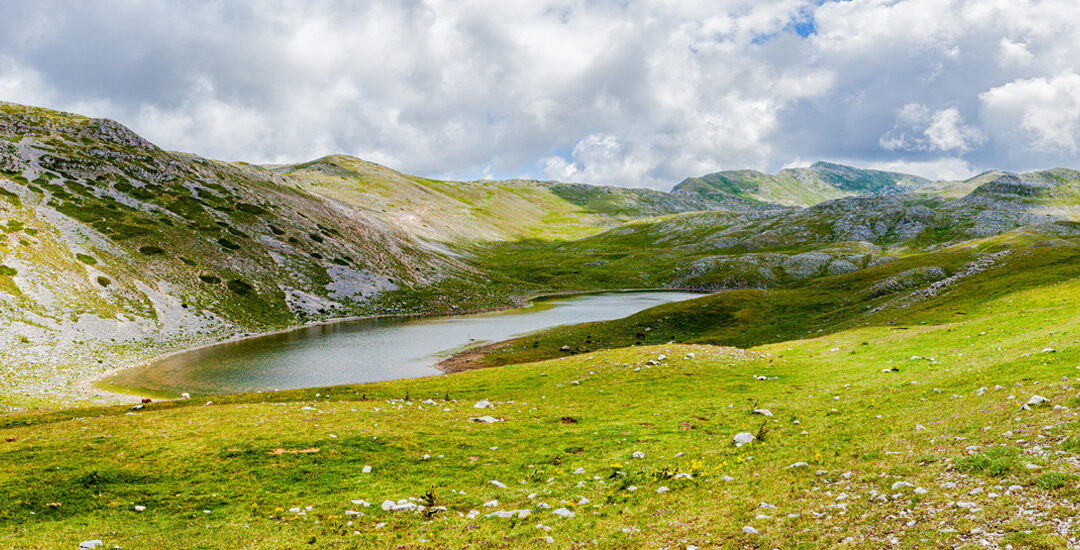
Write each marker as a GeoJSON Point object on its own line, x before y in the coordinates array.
{"type": "Point", "coordinates": [456, 211]}
{"type": "Point", "coordinates": [114, 250]}
{"type": "Point", "coordinates": [797, 186]}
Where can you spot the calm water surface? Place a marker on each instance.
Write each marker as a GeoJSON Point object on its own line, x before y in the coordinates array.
{"type": "Point", "coordinates": [367, 350]}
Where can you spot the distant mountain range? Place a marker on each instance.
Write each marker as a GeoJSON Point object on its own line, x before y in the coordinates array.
{"type": "Point", "coordinates": [821, 181]}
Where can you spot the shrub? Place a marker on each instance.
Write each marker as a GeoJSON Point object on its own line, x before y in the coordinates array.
{"type": "Point", "coordinates": [228, 244]}
{"type": "Point", "coordinates": [250, 208]}
{"type": "Point", "coordinates": [151, 250]}
{"type": "Point", "coordinates": [240, 287]}
{"type": "Point", "coordinates": [86, 259]}
{"type": "Point", "coordinates": [103, 281]}
{"type": "Point", "coordinates": [209, 279]}
{"type": "Point", "coordinates": [6, 271]}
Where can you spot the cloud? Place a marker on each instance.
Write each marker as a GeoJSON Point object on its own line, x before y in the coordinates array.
{"type": "Point", "coordinates": [602, 91]}
{"type": "Point", "coordinates": [1045, 110]}
{"type": "Point", "coordinates": [946, 168]}
{"type": "Point", "coordinates": [919, 129]}
{"type": "Point", "coordinates": [1014, 53]}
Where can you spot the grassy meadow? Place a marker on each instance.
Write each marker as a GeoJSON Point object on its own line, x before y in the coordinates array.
{"type": "Point", "coordinates": [904, 427]}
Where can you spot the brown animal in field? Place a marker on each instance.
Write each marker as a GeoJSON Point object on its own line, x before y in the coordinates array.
{"type": "Point", "coordinates": [146, 400]}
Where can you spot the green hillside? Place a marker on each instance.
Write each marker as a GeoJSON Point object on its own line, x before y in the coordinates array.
{"type": "Point", "coordinates": [457, 212]}
{"type": "Point", "coordinates": [797, 186]}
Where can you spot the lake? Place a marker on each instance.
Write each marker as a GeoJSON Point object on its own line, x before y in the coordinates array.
{"type": "Point", "coordinates": [366, 350]}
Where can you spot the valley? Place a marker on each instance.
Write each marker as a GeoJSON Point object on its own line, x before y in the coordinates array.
{"type": "Point", "coordinates": [877, 360]}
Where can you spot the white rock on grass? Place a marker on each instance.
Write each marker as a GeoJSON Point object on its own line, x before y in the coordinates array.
{"type": "Point", "coordinates": [491, 504]}
{"type": "Point", "coordinates": [507, 514]}
{"type": "Point", "coordinates": [749, 530]}
{"type": "Point", "coordinates": [901, 485]}
{"type": "Point", "coordinates": [1036, 401]}
{"type": "Point", "coordinates": [743, 438]}
{"type": "Point", "coordinates": [920, 491]}
{"type": "Point", "coordinates": [579, 471]}
{"type": "Point", "coordinates": [498, 483]}
{"type": "Point", "coordinates": [563, 512]}
{"type": "Point", "coordinates": [486, 419]}
{"type": "Point", "coordinates": [366, 470]}
{"type": "Point", "coordinates": [638, 454]}
{"type": "Point", "coordinates": [763, 412]}
{"type": "Point", "coordinates": [140, 508]}
{"type": "Point", "coordinates": [483, 404]}
{"type": "Point", "coordinates": [86, 544]}
{"type": "Point", "coordinates": [797, 465]}
{"type": "Point", "coordinates": [662, 490]}
{"type": "Point", "coordinates": [387, 505]}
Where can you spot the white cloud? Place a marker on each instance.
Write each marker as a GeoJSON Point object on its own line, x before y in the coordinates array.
{"type": "Point", "coordinates": [947, 168]}
{"type": "Point", "coordinates": [641, 93]}
{"type": "Point", "coordinates": [1014, 53]}
{"type": "Point", "coordinates": [919, 129]}
{"type": "Point", "coordinates": [1045, 110]}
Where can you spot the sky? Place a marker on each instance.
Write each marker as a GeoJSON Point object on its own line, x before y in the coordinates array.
{"type": "Point", "coordinates": [627, 93]}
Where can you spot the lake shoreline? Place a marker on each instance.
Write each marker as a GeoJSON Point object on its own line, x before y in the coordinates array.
{"type": "Point", "coordinates": [98, 383]}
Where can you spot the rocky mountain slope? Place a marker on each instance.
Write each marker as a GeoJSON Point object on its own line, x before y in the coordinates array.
{"type": "Point", "coordinates": [746, 189]}
{"type": "Point", "coordinates": [115, 250]}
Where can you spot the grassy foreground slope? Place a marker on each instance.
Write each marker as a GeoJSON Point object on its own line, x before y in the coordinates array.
{"type": "Point", "coordinates": [909, 432]}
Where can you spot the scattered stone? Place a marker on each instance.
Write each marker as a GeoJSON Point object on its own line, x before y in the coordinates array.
{"type": "Point", "coordinates": [764, 412]}
{"type": "Point", "coordinates": [901, 485]}
{"type": "Point", "coordinates": [797, 465]}
{"type": "Point", "coordinates": [483, 404]}
{"type": "Point", "coordinates": [366, 470]}
{"type": "Point", "coordinates": [86, 544]}
{"type": "Point", "coordinates": [498, 484]}
{"type": "Point", "coordinates": [749, 530]}
{"type": "Point", "coordinates": [638, 454]}
{"type": "Point", "coordinates": [1036, 401]}
{"type": "Point", "coordinates": [139, 508]}
{"type": "Point", "coordinates": [563, 512]}
{"type": "Point", "coordinates": [662, 490]}
{"type": "Point", "coordinates": [485, 419]}
{"type": "Point", "coordinates": [743, 438]}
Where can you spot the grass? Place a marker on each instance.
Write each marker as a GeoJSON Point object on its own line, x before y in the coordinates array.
{"type": "Point", "coordinates": [248, 459]}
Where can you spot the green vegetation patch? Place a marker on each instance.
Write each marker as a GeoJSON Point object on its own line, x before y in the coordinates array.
{"type": "Point", "coordinates": [995, 462]}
